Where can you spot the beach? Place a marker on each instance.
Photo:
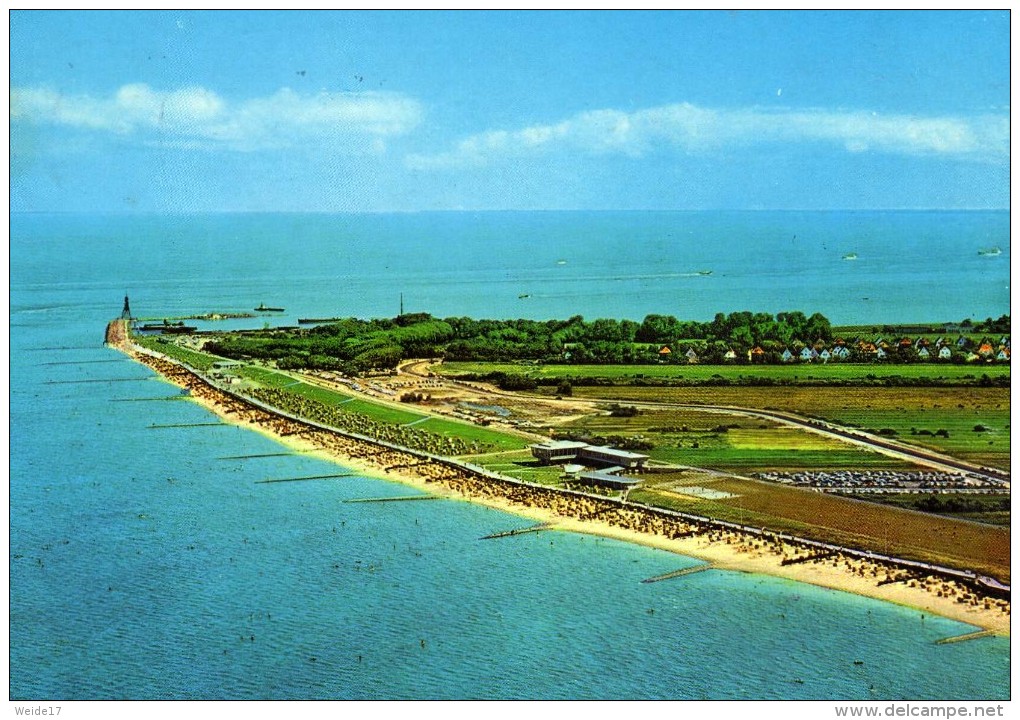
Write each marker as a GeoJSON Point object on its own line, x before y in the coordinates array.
{"type": "Point", "coordinates": [723, 549]}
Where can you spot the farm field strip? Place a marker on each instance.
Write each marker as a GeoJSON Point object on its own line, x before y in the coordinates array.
{"type": "Point", "coordinates": [793, 372]}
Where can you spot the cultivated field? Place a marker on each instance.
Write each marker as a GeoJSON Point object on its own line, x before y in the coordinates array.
{"type": "Point", "coordinates": [920, 410]}
{"type": "Point", "coordinates": [881, 528]}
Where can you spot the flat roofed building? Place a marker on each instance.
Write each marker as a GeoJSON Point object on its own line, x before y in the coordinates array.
{"type": "Point", "coordinates": [557, 451]}
{"type": "Point", "coordinates": [602, 478]}
{"type": "Point", "coordinates": [611, 456]}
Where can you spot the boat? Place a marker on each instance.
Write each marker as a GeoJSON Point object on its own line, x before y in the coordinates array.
{"type": "Point", "coordinates": [704, 273]}
{"type": "Point", "coordinates": [317, 320]}
{"type": "Point", "coordinates": [850, 256]}
{"type": "Point", "coordinates": [262, 308]}
{"type": "Point", "coordinates": [561, 262]}
{"type": "Point", "coordinates": [990, 252]}
{"type": "Point", "coordinates": [523, 295]}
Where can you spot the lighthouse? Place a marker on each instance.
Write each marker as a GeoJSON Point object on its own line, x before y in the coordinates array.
{"type": "Point", "coordinates": [125, 314]}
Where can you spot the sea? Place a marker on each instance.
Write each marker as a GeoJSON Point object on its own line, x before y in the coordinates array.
{"type": "Point", "coordinates": [148, 560]}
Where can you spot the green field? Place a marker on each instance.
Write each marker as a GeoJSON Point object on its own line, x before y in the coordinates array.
{"type": "Point", "coordinates": [791, 373]}
{"type": "Point", "coordinates": [379, 412]}
{"type": "Point", "coordinates": [958, 410]}
{"type": "Point", "coordinates": [197, 360]}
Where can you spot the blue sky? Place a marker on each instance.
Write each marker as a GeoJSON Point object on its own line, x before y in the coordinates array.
{"type": "Point", "coordinates": [404, 111]}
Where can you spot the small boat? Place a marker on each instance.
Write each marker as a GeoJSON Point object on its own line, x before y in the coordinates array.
{"type": "Point", "coordinates": [523, 295]}
{"type": "Point", "coordinates": [850, 256]}
{"type": "Point", "coordinates": [704, 273]}
{"type": "Point", "coordinates": [561, 262]}
{"type": "Point", "coordinates": [990, 252]}
{"type": "Point", "coordinates": [262, 308]}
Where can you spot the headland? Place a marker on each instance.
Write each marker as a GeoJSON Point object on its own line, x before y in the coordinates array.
{"type": "Point", "coordinates": [726, 546]}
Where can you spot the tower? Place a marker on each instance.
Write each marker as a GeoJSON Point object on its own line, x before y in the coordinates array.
{"type": "Point", "coordinates": [126, 312]}
{"type": "Point", "coordinates": [401, 304]}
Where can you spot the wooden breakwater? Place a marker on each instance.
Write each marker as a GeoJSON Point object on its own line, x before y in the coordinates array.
{"type": "Point", "coordinates": [474, 481]}
{"type": "Point", "coordinates": [680, 573]}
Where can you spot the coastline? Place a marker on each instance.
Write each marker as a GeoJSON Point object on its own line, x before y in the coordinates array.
{"type": "Point", "coordinates": [724, 550]}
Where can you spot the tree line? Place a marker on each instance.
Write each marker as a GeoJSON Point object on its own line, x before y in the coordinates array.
{"type": "Point", "coordinates": [357, 345]}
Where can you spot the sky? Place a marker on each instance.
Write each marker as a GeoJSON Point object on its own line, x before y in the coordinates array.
{"type": "Point", "coordinates": [375, 111]}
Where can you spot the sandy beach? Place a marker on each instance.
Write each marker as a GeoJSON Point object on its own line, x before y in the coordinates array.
{"type": "Point", "coordinates": [724, 549]}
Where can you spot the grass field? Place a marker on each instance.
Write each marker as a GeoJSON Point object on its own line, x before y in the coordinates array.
{"type": "Point", "coordinates": [375, 411]}
{"type": "Point", "coordinates": [197, 360]}
{"type": "Point", "coordinates": [841, 520]}
{"type": "Point", "coordinates": [957, 410]}
{"type": "Point", "coordinates": [793, 373]}
{"type": "Point", "coordinates": [732, 442]}
{"type": "Point", "coordinates": [521, 465]}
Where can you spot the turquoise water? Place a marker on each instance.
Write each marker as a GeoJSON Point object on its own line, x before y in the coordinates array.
{"type": "Point", "coordinates": [144, 565]}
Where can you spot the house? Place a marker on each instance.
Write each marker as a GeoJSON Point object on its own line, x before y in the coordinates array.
{"type": "Point", "coordinates": [808, 354]}
{"type": "Point", "coordinates": [1003, 355]}
{"type": "Point", "coordinates": [880, 354]}
{"type": "Point", "coordinates": [787, 355]}
{"type": "Point", "coordinates": [962, 342]}
{"type": "Point", "coordinates": [841, 352]}
{"type": "Point", "coordinates": [971, 357]}
{"type": "Point", "coordinates": [945, 353]}
{"type": "Point", "coordinates": [923, 353]}
{"type": "Point", "coordinates": [986, 349]}
{"type": "Point", "coordinates": [940, 341]}
{"type": "Point", "coordinates": [824, 356]}
{"type": "Point", "coordinates": [664, 353]}
{"type": "Point", "coordinates": [730, 355]}
{"type": "Point", "coordinates": [756, 354]}
{"type": "Point", "coordinates": [692, 357]}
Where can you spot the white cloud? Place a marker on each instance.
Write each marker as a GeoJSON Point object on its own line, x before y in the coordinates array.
{"type": "Point", "coordinates": [198, 117]}
{"type": "Point", "coordinates": [689, 128]}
